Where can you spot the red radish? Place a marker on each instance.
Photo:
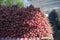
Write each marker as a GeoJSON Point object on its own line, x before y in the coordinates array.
{"type": "Point", "coordinates": [23, 22]}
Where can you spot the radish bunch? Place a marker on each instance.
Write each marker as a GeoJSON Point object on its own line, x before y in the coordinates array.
{"type": "Point", "coordinates": [23, 22]}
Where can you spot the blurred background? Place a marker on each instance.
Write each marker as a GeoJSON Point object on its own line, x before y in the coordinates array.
{"type": "Point", "coordinates": [52, 10]}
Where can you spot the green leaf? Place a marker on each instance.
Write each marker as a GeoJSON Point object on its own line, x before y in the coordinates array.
{"type": "Point", "coordinates": [19, 3]}
{"type": "Point", "coordinates": [6, 2]}
{"type": "Point", "coordinates": [1, 1]}
{"type": "Point", "coordinates": [9, 2]}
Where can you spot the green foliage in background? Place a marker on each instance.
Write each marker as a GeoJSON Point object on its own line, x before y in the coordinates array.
{"type": "Point", "coordinates": [6, 2]}
{"type": "Point", "coordinates": [1, 1]}
{"type": "Point", "coordinates": [19, 3]}
{"type": "Point", "coordinates": [10, 3]}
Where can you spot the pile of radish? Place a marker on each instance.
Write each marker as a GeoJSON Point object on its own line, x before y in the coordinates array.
{"type": "Point", "coordinates": [23, 22]}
